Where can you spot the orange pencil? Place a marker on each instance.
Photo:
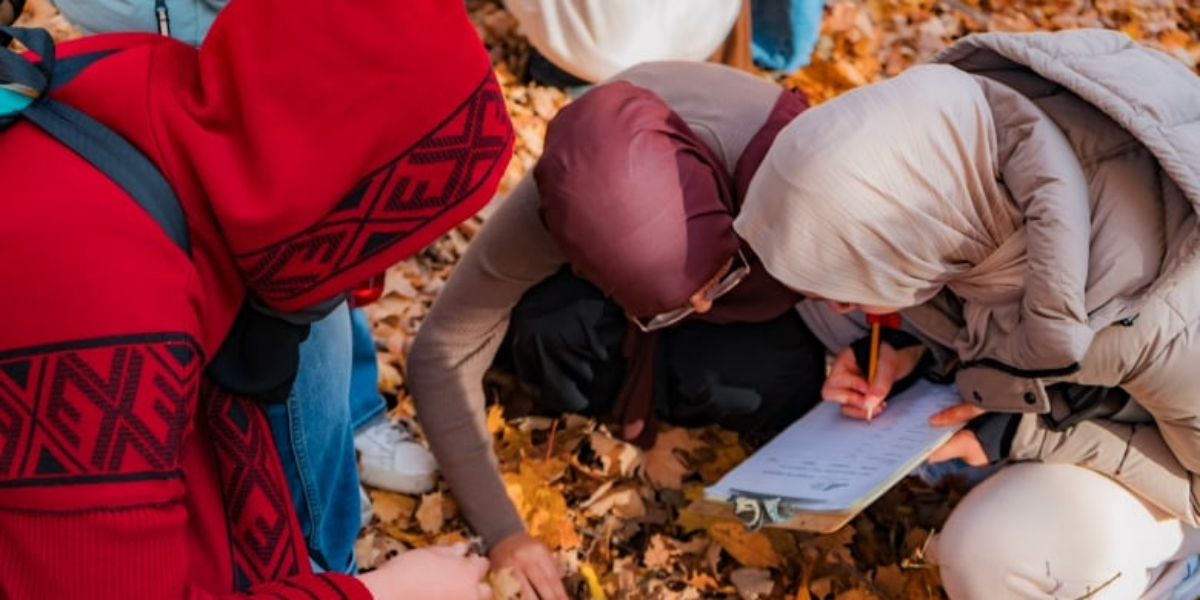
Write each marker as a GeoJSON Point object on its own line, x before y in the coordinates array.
{"type": "Point", "coordinates": [873, 361]}
{"type": "Point", "coordinates": [877, 323]}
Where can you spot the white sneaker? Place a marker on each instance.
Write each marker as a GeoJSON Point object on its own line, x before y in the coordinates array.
{"type": "Point", "coordinates": [392, 460]}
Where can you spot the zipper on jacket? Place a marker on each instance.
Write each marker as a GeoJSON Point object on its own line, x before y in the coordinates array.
{"type": "Point", "coordinates": [162, 17]}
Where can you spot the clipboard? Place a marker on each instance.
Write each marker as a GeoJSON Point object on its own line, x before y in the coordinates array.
{"type": "Point", "coordinates": [825, 469]}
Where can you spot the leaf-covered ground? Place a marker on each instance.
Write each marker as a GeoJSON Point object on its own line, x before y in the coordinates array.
{"type": "Point", "coordinates": [617, 517]}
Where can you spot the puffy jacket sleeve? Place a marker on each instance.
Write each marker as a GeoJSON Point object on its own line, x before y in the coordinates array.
{"type": "Point", "coordinates": [1050, 189]}
{"type": "Point", "coordinates": [1134, 454]}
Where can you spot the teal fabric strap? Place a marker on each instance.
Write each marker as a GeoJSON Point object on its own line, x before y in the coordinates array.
{"type": "Point", "coordinates": [12, 102]}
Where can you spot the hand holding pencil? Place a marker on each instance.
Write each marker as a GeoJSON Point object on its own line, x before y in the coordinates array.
{"type": "Point", "coordinates": [861, 388]}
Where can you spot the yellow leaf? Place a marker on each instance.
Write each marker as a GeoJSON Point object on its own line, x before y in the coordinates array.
{"type": "Point", "coordinates": [495, 419]}
{"type": "Point", "coordinates": [693, 490]}
{"type": "Point", "coordinates": [505, 584]}
{"type": "Point", "coordinates": [412, 539]}
{"type": "Point", "coordinates": [690, 520]}
{"type": "Point", "coordinates": [542, 506]}
{"type": "Point", "coordinates": [391, 507]}
{"type": "Point", "coordinates": [593, 582]}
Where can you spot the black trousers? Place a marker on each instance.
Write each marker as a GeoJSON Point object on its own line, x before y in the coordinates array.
{"type": "Point", "coordinates": [564, 342]}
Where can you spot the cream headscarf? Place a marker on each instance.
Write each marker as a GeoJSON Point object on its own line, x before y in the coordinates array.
{"type": "Point", "coordinates": [886, 194]}
{"type": "Point", "coordinates": [891, 192]}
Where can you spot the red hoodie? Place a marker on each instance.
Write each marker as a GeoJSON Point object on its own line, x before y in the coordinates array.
{"type": "Point", "coordinates": [312, 144]}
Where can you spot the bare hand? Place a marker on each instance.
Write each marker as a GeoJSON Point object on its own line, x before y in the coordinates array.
{"type": "Point", "coordinates": [531, 562]}
{"type": "Point", "coordinates": [433, 573]}
{"type": "Point", "coordinates": [848, 386]}
{"type": "Point", "coordinates": [963, 444]}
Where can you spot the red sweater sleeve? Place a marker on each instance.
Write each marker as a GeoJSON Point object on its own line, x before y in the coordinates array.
{"type": "Point", "coordinates": [127, 554]}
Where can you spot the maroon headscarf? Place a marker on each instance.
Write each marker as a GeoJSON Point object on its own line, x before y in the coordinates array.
{"type": "Point", "coordinates": [643, 209]}
{"type": "Point", "coordinates": [639, 206]}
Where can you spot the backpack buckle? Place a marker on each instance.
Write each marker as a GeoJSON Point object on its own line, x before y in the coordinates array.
{"type": "Point", "coordinates": [15, 98]}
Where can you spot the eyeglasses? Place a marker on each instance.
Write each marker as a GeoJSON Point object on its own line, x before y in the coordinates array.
{"type": "Point", "coordinates": [671, 317]}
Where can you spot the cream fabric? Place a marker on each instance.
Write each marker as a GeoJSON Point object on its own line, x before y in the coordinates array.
{"type": "Point", "coordinates": [1042, 532]}
{"type": "Point", "coordinates": [594, 39]}
{"type": "Point", "coordinates": [881, 187]}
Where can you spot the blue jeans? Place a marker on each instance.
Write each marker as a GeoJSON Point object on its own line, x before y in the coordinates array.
{"type": "Point", "coordinates": [366, 404]}
{"type": "Point", "coordinates": [314, 435]}
{"type": "Point", "coordinates": [784, 32]}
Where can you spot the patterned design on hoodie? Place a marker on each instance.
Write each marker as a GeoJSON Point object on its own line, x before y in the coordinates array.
{"type": "Point", "coordinates": [442, 170]}
{"type": "Point", "coordinates": [96, 411]}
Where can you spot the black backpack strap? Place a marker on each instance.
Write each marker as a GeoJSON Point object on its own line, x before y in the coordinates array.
{"type": "Point", "coordinates": [90, 139]}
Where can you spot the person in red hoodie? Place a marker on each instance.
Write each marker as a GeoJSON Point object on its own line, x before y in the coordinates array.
{"type": "Point", "coordinates": [305, 162]}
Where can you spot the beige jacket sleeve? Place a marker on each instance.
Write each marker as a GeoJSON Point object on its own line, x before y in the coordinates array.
{"type": "Point", "coordinates": [457, 343]}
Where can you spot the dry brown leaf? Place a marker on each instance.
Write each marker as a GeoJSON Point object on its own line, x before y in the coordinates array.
{"type": "Point", "coordinates": [821, 587]}
{"type": "Point", "coordinates": [431, 515]}
{"type": "Point", "coordinates": [857, 593]}
{"type": "Point", "coordinates": [372, 550]}
{"type": "Point", "coordinates": [890, 580]}
{"type": "Point", "coordinates": [752, 584]}
{"type": "Point", "coordinates": [623, 501]}
{"type": "Point", "coordinates": [716, 459]}
{"type": "Point", "coordinates": [659, 554]}
{"type": "Point", "coordinates": [666, 464]}
{"type": "Point", "coordinates": [389, 375]}
{"type": "Point", "coordinates": [748, 548]}
{"type": "Point", "coordinates": [703, 581]}
{"type": "Point", "coordinates": [835, 546]}
{"type": "Point", "coordinates": [617, 458]}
